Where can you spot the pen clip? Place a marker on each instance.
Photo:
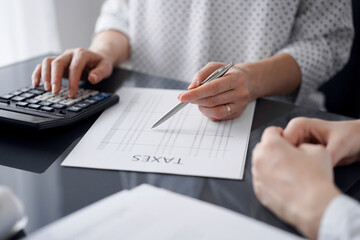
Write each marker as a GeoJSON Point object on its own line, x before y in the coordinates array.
{"type": "Point", "coordinates": [221, 71]}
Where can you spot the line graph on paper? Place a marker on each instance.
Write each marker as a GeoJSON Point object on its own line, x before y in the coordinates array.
{"type": "Point", "coordinates": [188, 133]}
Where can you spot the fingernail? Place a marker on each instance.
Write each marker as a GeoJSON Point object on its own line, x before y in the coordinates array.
{"type": "Point", "coordinates": [179, 96]}
{"type": "Point", "coordinates": [71, 93]}
{"type": "Point", "coordinates": [183, 98]}
{"type": "Point", "coordinates": [94, 78]}
{"type": "Point", "coordinates": [53, 88]}
{"type": "Point", "coordinates": [192, 84]}
{"type": "Point", "coordinates": [47, 86]}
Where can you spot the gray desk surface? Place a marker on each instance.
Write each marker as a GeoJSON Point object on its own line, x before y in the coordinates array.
{"type": "Point", "coordinates": [30, 161]}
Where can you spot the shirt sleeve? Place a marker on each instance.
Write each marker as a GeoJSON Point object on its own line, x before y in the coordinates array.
{"type": "Point", "coordinates": [114, 15]}
{"type": "Point", "coordinates": [320, 42]}
{"type": "Point", "coordinates": [341, 220]}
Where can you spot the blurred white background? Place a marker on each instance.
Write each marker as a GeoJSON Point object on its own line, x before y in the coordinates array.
{"type": "Point", "coordinates": [30, 28]}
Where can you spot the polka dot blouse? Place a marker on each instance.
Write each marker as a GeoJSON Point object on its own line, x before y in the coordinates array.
{"type": "Point", "coordinates": [174, 39]}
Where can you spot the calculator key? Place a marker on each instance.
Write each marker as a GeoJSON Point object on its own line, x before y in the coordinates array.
{"type": "Point", "coordinates": [44, 96]}
{"type": "Point", "coordinates": [18, 99]}
{"type": "Point", "coordinates": [6, 97]}
{"type": "Point", "coordinates": [47, 109]}
{"type": "Point", "coordinates": [45, 103]}
{"type": "Point", "coordinates": [34, 106]}
{"type": "Point", "coordinates": [105, 95]}
{"type": "Point", "coordinates": [68, 102]}
{"type": "Point", "coordinates": [89, 101]}
{"type": "Point", "coordinates": [93, 92]}
{"type": "Point", "coordinates": [41, 88]}
{"type": "Point", "coordinates": [25, 89]}
{"type": "Point", "coordinates": [55, 99]}
{"type": "Point", "coordinates": [22, 104]}
{"type": "Point", "coordinates": [74, 109]}
{"type": "Point", "coordinates": [97, 98]}
{"type": "Point", "coordinates": [33, 100]}
{"type": "Point", "coordinates": [27, 95]}
{"type": "Point", "coordinates": [59, 106]}
{"type": "Point", "coordinates": [82, 105]}
{"type": "Point", "coordinates": [36, 91]}
{"type": "Point", "coordinates": [16, 93]}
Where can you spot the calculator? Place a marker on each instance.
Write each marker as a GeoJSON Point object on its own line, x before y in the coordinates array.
{"type": "Point", "coordinates": [36, 108]}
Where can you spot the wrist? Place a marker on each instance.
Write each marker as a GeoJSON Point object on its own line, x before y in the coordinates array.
{"type": "Point", "coordinates": [310, 212]}
{"type": "Point", "coordinates": [252, 72]}
{"type": "Point", "coordinates": [276, 75]}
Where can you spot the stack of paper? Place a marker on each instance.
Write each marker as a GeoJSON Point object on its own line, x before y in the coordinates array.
{"type": "Point", "coordinates": [147, 212]}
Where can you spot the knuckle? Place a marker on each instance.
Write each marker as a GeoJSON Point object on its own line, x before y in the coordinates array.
{"type": "Point", "coordinates": [80, 52]}
{"type": "Point", "coordinates": [68, 51]}
{"type": "Point", "coordinates": [213, 89]}
{"type": "Point", "coordinates": [56, 62]}
{"type": "Point", "coordinates": [299, 121]}
{"type": "Point", "coordinates": [211, 101]}
{"type": "Point", "coordinates": [46, 61]}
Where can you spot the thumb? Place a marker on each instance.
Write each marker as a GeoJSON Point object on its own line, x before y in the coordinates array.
{"type": "Point", "coordinates": [201, 75]}
{"type": "Point", "coordinates": [101, 71]}
{"type": "Point", "coordinates": [306, 130]}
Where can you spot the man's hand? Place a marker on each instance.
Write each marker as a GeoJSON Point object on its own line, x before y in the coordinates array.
{"type": "Point", "coordinates": [341, 139]}
{"type": "Point", "coordinates": [295, 183]}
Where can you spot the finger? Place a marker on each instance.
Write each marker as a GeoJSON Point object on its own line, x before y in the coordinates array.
{"type": "Point", "coordinates": [220, 99]}
{"type": "Point", "coordinates": [58, 67]}
{"type": "Point", "coordinates": [46, 72]}
{"type": "Point", "coordinates": [271, 133]}
{"type": "Point", "coordinates": [305, 130]}
{"type": "Point", "coordinates": [213, 88]}
{"type": "Point", "coordinates": [204, 73]}
{"type": "Point", "coordinates": [221, 112]}
{"type": "Point", "coordinates": [36, 76]}
{"type": "Point", "coordinates": [101, 71]}
{"type": "Point", "coordinates": [311, 148]}
{"type": "Point", "coordinates": [77, 65]}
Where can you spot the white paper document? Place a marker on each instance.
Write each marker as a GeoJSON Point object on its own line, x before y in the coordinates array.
{"type": "Point", "coordinates": [186, 144]}
{"type": "Point", "coordinates": [146, 212]}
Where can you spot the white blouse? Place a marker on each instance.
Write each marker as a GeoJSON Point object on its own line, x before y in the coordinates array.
{"type": "Point", "coordinates": [175, 39]}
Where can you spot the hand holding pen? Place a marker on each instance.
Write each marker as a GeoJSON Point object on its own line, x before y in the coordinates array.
{"type": "Point", "coordinates": [223, 98]}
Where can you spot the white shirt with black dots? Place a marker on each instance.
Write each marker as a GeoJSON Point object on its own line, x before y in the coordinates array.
{"type": "Point", "coordinates": [175, 39]}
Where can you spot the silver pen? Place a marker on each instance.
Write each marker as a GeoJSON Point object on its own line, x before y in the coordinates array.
{"type": "Point", "coordinates": [216, 74]}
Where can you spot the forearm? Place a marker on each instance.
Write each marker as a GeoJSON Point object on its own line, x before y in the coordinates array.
{"type": "Point", "coordinates": [113, 45]}
{"type": "Point", "coordinates": [277, 75]}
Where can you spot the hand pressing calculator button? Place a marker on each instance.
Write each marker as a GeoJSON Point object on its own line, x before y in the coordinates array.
{"type": "Point", "coordinates": [35, 108]}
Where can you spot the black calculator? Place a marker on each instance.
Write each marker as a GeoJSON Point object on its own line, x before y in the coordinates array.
{"type": "Point", "coordinates": [34, 107]}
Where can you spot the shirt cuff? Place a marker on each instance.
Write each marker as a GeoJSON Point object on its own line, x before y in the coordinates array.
{"type": "Point", "coordinates": [312, 57]}
{"type": "Point", "coordinates": [341, 219]}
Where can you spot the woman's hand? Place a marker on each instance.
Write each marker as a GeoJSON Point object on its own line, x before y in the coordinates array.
{"type": "Point", "coordinates": [341, 139]}
{"type": "Point", "coordinates": [296, 183]}
{"type": "Point", "coordinates": [73, 63]}
{"type": "Point", "coordinates": [108, 49]}
{"type": "Point", "coordinates": [223, 98]}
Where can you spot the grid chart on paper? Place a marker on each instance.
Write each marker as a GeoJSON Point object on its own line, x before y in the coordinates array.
{"type": "Point", "coordinates": [188, 132]}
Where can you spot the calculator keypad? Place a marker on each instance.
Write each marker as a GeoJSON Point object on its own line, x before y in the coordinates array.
{"type": "Point", "coordinates": [39, 100]}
